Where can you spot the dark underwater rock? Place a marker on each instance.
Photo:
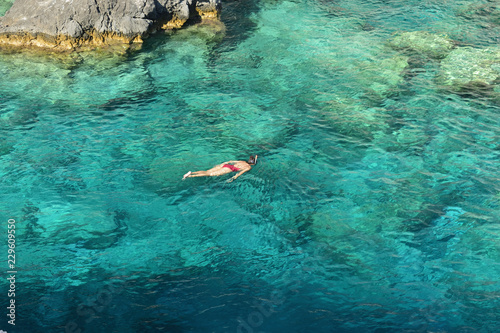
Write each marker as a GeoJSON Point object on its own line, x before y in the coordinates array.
{"type": "Point", "coordinates": [66, 25]}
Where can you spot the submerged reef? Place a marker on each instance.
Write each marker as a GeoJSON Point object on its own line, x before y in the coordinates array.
{"type": "Point", "coordinates": [422, 42]}
{"type": "Point", "coordinates": [465, 66]}
{"type": "Point", "coordinates": [472, 72]}
{"type": "Point", "coordinates": [462, 70]}
{"type": "Point", "coordinates": [67, 25]}
{"type": "Point", "coordinates": [381, 77]}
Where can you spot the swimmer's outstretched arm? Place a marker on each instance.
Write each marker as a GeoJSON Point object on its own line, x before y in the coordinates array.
{"type": "Point", "coordinates": [237, 175]}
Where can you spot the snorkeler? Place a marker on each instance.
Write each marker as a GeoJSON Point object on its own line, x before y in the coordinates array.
{"type": "Point", "coordinates": [224, 168]}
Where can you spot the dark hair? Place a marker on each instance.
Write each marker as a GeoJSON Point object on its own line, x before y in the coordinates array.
{"type": "Point", "coordinates": [252, 160]}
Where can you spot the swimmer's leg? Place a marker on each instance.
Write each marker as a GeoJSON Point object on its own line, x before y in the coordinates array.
{"type": "Point", "coordinates": [197, 174]}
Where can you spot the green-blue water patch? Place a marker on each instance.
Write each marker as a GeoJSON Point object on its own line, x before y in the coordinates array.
{"type": "Point", "coordinates": [5, 6]}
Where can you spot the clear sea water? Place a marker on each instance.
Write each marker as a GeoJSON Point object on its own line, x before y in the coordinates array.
{"type": "Point", "coordinates": [374, 206]}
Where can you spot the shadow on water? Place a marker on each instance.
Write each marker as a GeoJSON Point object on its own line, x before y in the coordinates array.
{"type": "Point", "coordinates": [236, 15]}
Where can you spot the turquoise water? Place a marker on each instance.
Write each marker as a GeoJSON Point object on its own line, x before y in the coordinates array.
{"type": "Point", "coordinates": [373, 208]}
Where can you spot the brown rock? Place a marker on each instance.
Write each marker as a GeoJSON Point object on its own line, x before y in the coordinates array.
{"type": "Point", "coordinates": [67, 25]}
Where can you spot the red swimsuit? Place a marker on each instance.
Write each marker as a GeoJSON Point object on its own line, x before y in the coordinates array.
{"type": "Point", "coordinates": [232, 167]}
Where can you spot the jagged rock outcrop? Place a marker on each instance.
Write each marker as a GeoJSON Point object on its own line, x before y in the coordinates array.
{"type": "Point", "coordinates": [70, 24]}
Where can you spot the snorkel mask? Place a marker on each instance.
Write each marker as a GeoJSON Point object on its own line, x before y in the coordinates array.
{"type": "Point", "coordinates": [252, 160]}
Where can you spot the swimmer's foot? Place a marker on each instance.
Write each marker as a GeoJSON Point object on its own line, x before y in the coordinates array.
{"type": "Point", "coordinates": [186, 175]}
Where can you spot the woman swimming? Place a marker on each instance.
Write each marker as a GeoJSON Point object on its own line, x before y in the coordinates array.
{"type": "Point", "coordinates": [224, 168]}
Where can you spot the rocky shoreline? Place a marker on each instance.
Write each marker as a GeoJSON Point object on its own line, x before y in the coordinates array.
{"type": "Point", "coordinates": [65, 25]}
